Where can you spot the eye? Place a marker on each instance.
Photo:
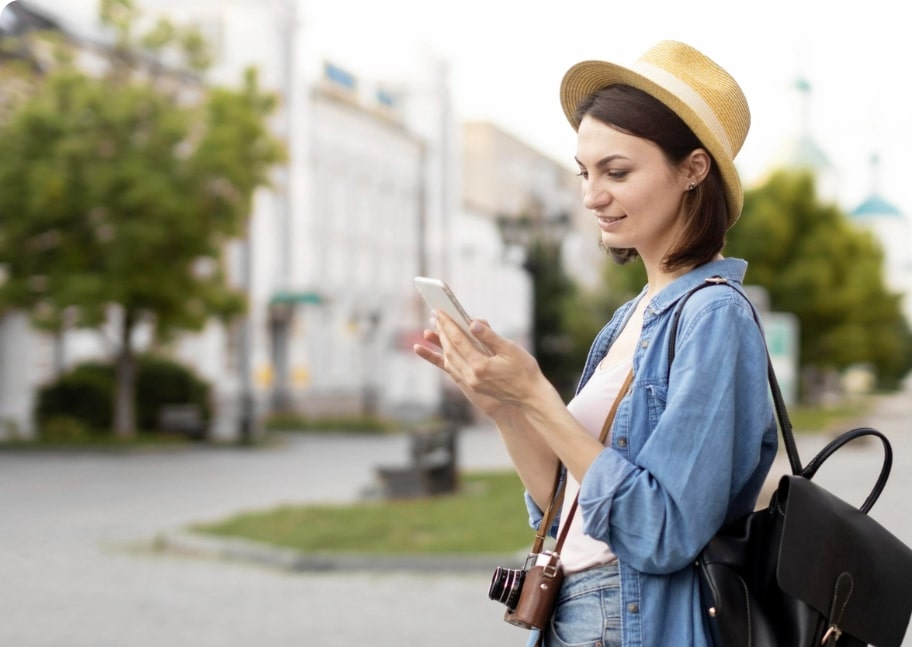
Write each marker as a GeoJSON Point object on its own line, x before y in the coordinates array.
{"type": "Point", "coordinates": [618, 174]}
{"type": "Point", "coordinates": [583, 174]}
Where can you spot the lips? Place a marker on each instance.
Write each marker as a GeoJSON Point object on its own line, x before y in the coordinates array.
{"type": "Point", "coordinates": [606, 222]}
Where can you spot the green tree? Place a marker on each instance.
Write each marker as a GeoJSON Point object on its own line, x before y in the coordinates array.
{"type": "Point", "coordinates": [591, 309]}
{"type": "Point", "coordinates": [554, 295]}
{"type": "Point", "coordinates": [814, 263]}
{"type": "Point", "coordinates": [120, 187]}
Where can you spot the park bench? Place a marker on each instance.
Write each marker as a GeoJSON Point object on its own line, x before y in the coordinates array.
{"type": "Point", "coordinates": [184, 419]}
{"type": "Point", "coordinates": [432, 469]}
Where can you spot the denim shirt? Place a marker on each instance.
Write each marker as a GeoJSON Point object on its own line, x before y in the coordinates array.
{"type": "Point", "coordinates": [689, 450]}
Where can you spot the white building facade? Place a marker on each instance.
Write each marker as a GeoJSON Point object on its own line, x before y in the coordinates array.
{"type": "Point", "coordinates": [362, 206]}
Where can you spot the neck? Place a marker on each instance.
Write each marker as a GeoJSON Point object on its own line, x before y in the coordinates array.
{"type": "Point", "coordinates": [657, 277]}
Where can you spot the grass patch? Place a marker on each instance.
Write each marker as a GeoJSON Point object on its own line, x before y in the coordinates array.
{"type": "Point", "coordinates": [151, 440]}
{"type": "Point", "coordinates": [485, 516]}
{"type": "Point", "coordinates": [826, 418]}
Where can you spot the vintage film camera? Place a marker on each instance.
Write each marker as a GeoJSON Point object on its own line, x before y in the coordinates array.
{"type": "Point", "coordinates": [529, 593]}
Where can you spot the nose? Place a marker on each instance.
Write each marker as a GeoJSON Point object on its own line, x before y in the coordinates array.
{"type": "Point", "coordinates": [594, 197]}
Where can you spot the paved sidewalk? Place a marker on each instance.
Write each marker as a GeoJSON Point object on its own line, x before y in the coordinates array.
{"type": "Point", "coordinates": [66, 578]}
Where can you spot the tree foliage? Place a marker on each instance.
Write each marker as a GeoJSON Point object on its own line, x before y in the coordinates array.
{"type": "Point", "coordinates": [815, 263]}
{"type": "Point", "coordinates": [554, 296]}
{"type": "Point", "coordinates": [120, 187]}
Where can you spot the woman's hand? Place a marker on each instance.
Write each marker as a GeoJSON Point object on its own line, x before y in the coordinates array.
{"type": "Point", "coordinates": [506, 377]}
{"type": "Point", "coordinates": [434, 355]}
{"type": "Point", "coordinates": [508, 386]}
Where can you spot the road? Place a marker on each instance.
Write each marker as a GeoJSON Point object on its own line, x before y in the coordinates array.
{"type": "Point", "coordinates": [75, 568]}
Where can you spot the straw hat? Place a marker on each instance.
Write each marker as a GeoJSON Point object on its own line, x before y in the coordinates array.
{"type": "Point", "coordinates": [701, 93]}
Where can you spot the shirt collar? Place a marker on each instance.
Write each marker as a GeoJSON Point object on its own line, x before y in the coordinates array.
{"type": "Point", "coordinates": [730, 269]}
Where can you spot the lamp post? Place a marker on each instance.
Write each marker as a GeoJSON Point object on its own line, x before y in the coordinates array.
{"type": "Point", "coordinates": [366, 322]}
{"type": "Point", "coordinates": [246, 404]}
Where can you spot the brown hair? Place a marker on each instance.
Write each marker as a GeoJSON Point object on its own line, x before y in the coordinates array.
{"type": "Point", "coordinates": [705, 211]}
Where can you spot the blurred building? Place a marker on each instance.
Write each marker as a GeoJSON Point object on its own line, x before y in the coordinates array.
{"type": "Point", "coordinates": [520, 194]}
{"type": "Point", "coordinates": [382, 184]}
{"type": "Point", "coordinates": [506, 180]}
{"type": "Point", "coordinates": [893, 230]}
{"type": "Point", "coordinates": [799, 149]}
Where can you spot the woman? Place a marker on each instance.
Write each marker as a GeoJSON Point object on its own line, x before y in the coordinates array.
{"type": "Point", "coordinates": [692, 442]}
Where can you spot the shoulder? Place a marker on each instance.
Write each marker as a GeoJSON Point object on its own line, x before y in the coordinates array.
{"type": "Point", "coordinates": [713, 296]}
{"type": "Point", "coordinates": [720, 310]}
{"type": "Point", "coordinates": [718, 333]}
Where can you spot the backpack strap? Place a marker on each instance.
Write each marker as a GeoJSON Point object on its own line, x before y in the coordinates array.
{"type": "Point", "coordinates": [785, 424]}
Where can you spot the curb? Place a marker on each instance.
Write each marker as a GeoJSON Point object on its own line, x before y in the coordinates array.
{"type": "Point", "coordinates": [287, 559]}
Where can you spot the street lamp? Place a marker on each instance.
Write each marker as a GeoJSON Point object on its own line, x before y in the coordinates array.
{"type": "Point", "coordinates": [524, 231]}
{"type": "Point", "coordinates": [366, 322]}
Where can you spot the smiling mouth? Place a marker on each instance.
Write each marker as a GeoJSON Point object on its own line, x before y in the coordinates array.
{"type": "Point", "coordinates": [609, 220]}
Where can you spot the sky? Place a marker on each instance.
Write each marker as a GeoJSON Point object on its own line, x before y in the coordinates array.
{"type": "Point", "coordinates": [507, 57]}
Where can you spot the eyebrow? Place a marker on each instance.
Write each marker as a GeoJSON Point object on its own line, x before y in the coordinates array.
{"type": "Point", "coordinates": [605, 161]}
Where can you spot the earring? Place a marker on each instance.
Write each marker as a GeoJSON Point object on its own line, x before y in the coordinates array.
{"type": "Point", "coordinates": [691, 186]}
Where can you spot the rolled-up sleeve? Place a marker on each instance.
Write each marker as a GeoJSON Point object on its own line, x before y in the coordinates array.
{"type": "Point", "coordinates": [536, 516]}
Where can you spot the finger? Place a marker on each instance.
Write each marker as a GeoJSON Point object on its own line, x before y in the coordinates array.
{"type": "Point", "coordinates": [456, 348]}
{"type": "Point", "coordinates": [494, 343]}
{"type": "Point", "coordinates": [483, 331]}
{"type": "Point", "coordinates": [431, 349]}
{"type": "Point", "coordinates": [432, 337]}
{"type": "Point", "coordinates": [428, 355]}
{"type": "Point", "coordinates": [453, 338]}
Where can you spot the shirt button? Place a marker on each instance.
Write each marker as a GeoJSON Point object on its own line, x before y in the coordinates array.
{"type": "Point", "coordinates": [644, 343]}
{"type": "Point", "coordinates": [633, 607]}
{"type": "Point", "coordinates": [622, 442]}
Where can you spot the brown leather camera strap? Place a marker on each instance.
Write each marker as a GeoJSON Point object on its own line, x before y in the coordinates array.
{"type": "Point", "coordinates": [557, 500]}
{"type": "Point", "coordinates": [557, 492]}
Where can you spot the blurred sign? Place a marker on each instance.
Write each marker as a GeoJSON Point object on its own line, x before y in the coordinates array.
{"type": "Point", "coordinates": [263, 375]}
{"type": "Point", "coordinates": [782, 340]}
{"type": "Point", "coordinates": [300, 376]}
{"type": "Point", "coordinates": [406, 339]}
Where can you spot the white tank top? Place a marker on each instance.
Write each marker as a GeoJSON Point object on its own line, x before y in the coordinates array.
{"type": "Point", "coordinates": [590, 408]}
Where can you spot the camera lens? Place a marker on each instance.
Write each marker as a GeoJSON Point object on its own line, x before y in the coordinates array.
{"type": "Point", "coordinates": [506, 583]}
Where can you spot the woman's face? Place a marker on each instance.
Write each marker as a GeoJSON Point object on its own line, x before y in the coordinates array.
{"type": "Point", "coordinates": [630, 186]}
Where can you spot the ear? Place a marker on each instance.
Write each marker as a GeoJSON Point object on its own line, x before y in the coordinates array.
{"type": "Point", "coordinates": [695, 167]}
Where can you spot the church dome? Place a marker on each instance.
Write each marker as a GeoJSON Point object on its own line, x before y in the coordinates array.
{"type": "Point", "coordinates": [875, 206]}
{"type": "Point", "coordinates": [802, 152]}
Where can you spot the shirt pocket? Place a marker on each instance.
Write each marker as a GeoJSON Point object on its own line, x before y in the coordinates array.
{"type": "Point", "coordinates": [656, 398]}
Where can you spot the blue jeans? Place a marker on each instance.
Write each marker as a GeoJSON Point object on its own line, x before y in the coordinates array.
{"type": "Point", "coordinates": [588, 610]}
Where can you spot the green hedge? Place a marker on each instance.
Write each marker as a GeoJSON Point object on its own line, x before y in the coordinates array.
{"type": "Point", "coordinates": [81, 401]}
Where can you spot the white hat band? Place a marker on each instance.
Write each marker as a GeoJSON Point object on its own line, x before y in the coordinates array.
{"type": "Point", "coordinates": [687, 94]}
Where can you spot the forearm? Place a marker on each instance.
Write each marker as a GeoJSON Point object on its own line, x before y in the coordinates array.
{"type": "Point", "coordinates": [540, 432]}
{"type": "Point", "coordinates": [533, 458]}
{"type": "Point", "coordinates": [548, 417]}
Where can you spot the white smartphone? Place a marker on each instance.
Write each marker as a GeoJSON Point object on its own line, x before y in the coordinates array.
{"type": "Point", "coordinates": [440, 297]}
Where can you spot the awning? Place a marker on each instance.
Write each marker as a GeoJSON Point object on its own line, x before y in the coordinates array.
{"type": "Point", "coordinates": [287, 298]}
